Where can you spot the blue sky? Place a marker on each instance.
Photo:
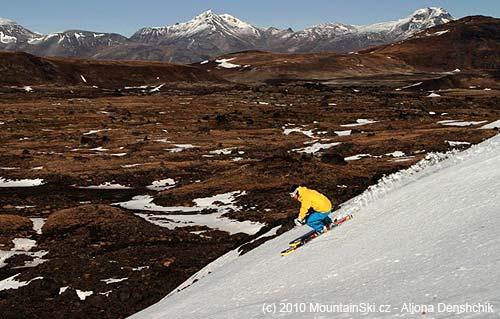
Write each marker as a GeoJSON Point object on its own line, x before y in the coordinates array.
{"type": "Point", "coordinates": [127, 16]}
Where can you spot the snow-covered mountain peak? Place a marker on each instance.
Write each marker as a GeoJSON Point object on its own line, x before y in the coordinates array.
{"type": "Point", "coordinates": [403, 28]}
{"type": "Point", "coordinates": [6, 21]}
{"type": "Point", "coordinates": [12, 33]}
{"type": "Point", "coordinates": [430, 15]}
{"type": "Point", "coordinates": [430, 11]}
{"type": "Point", "coordinates": [202, 25]}
{"type": "Point", "coordinates": [205, 15]}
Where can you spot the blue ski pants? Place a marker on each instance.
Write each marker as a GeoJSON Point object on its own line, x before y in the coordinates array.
{"type": "Point", "coordinates": [317, 220]}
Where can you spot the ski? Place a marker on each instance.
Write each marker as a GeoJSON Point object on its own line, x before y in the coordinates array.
{"type": "Point", "coordinates": [302, 240]}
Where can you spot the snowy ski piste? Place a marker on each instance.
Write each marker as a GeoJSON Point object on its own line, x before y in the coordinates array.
{"type": "Point", "coordinates": [424, 242]}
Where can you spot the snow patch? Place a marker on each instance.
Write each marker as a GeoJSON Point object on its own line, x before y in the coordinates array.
{"type": "Point", "coordinates": [113, 280]}
{"type": "Point", "coordinates": [21, 182]}
{"type": "Point", "coordinates": [38, 223]}
{"type": "Point", "coordinates": [105, 185]}
{"type": "Point", "coordinates": [83, 294]}
{"type": "Point", "coordinates": [343, 133]}
{"type": "Point", "coordinates": [433, 95]}
{"type": "Point", "coordinates": [180, 147]}
{"type": "Point", "coordinates": [224, 63]}
{"type": "Point", "coordinates": [13, 283]}
{"type": "Point", "coordinates": [221, 204]}
{"type": "Point", "coordinates": [460, 123]}
{"type": "Point", "coordinates": [315, 148]}
{"type": "Point", "coordinates": [360, 122]}
{"type": "Point", "coordinates": [162, 185]}
{"type": "Point", "coordinates": [452, 143]}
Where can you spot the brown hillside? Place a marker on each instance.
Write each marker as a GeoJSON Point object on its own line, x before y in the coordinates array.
{"type": "Point", "coordinates": [468, 43]}
{"type": "Point", "coordinates": [27, 69]}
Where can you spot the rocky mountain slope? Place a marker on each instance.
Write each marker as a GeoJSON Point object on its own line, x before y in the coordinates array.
{"type": "Point", "coordinates": [464, 45]}
{"type": "Point", "coordinates": [209, 35]}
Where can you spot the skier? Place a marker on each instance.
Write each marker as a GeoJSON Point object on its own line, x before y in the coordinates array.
{"type": "Point", "coordinates": [311, 199]}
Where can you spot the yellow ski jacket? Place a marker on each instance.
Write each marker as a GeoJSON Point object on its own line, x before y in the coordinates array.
{"type": "Point", "coordinates": [309, 198]}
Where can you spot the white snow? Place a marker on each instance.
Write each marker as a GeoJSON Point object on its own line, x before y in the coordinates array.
{"type": "Point", "coordinates": [180, 148]}
{"type": "Point", "coordinates": [113, 280]}
{"type": "Point", "coordinates": [287, 131]}
{"type": "Point", "coordinates": [162, 185]}
{"type": "Point", "coordinates": [204, 62]}
{"type": "Point", "coordinates": [491, 125]}
{"type": "Point", "coordinates": [96, 131]}
{"type": "Point", "coordinates": [131, 165]}
{"type": "Point", "coordinates": [224, 63]}
{"type": "Point", "coordinates": [157, 88]}
{"type": "Point", "coordinates": [7, 39]}
{"type": "Point", "coordinates": [83, 78]}
{"type": "Point", "coordinates": [224, 151]}
{"type": "Point", "coordinates": [433, 95]}
{"type": "Point", "coordinates": [99, 149]}
{"type": "Point", "coordinates": [359, 156]}
{"type": "Point", "coordinates": [453, 143]}
{"type": "Point", "coordinates": [460, 123]}
{"type": "Point", "coordinates": [221, 203]}
{"type": "Point", "coordinates": [13, 283]}
{"type": "Point", "coordinates": [28, 88]}
{"type": "Point", "coordinates": [343, 133]}
{"type": "Point", "coordinates": [83, 294]}
{"type": "Point", "coordinates": [396, 154]}
{"type": "Point", "coordinates": [426, 236]}
{"type": "Point", "coordinates": [438, 33]}
{"type": "Point", "coordinates": [409, 86]}
{"type": "Point", "coordinates": [105, 185]}
{"type": "Point", "coordinates": [21, 182]}
{"type": "Point", "coordinates": [38, 223]}
{"type": "Point", "coordinates": [315, 148]}
{"type": "Point", "coordinates": [23, 244]}
{"type": "Point", "coordinates": [359, 122]}
{"type": "Point", "coordinates": [163, 140]}
{"type": "Point", "coordinates": [63, 289]}
{"type": "Point", "coordinates": [136, 87]}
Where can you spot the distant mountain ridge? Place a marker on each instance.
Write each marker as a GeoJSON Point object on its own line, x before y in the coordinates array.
{"type": "Point", "coordinates": [209, 35]}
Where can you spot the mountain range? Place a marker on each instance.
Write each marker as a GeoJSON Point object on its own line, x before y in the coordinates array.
{"type": "Point", "coordinates": [209, 35]}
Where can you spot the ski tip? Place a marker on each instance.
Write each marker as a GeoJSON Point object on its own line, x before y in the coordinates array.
{"type": "Point", "coordinates": [287, 252]}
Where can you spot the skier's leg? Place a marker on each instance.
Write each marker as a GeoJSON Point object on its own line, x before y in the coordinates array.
{"type": "Point", "coordinates": [315, 221]}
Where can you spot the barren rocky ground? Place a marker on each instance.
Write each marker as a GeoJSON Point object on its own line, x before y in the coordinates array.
{"type": "Point", "coordinates": [94, 148]}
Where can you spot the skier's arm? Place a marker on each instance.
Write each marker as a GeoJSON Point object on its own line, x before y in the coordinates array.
{"type": "Point", "coordinates": [304, 208]}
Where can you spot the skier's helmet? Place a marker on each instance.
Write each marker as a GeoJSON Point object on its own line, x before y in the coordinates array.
{"type": "Point", "coordinates": [293, 190]}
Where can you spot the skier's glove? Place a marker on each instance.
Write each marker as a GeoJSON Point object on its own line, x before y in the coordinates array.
{"type": "Point", "coordinates": [299, 221]}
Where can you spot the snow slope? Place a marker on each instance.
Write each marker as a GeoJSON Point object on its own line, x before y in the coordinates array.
{"type": "Point", "coordinates": [422, 239]}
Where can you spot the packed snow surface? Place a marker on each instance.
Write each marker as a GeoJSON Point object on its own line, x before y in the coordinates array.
{"type": "Point", "coordinates": [426, 236]}
{"type": "Point", "coordinates": [491, 125]}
